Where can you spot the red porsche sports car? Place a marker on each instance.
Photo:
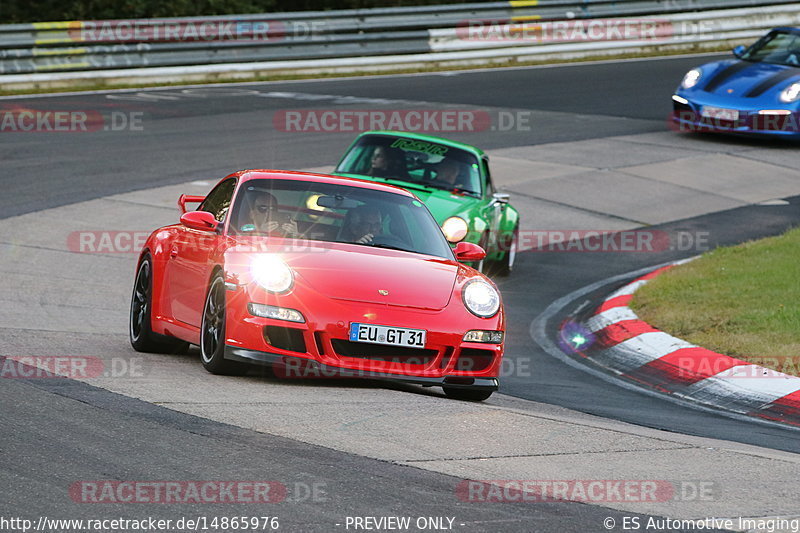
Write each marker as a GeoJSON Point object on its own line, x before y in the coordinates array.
{"type": "Point", "coordinates": [292, 269]}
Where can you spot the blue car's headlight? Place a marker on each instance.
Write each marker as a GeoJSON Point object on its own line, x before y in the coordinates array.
{"type": "Point", "coordinates": [791, 93]}
{"type": "Point", "coordinates": [691, 78]}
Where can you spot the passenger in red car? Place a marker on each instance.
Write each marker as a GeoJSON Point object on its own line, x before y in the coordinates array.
{"type": "Point", "coordinates": [362, 225]}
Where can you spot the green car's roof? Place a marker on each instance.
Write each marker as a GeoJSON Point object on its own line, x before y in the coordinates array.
{"type": "Point", "coordinates": [429, 138]}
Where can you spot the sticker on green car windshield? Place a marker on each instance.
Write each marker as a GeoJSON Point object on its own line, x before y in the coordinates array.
{"type": "Point", "coordinates": [420, 146]}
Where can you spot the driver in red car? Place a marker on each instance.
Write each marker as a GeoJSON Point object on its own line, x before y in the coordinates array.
{"type": "Point", "coordinates": [362, 225]}
{"type": "Point", "coordinates": [267, 219]}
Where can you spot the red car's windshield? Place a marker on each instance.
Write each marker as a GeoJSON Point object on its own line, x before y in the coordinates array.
{"type": "Point", "coordinates": [337, 213]}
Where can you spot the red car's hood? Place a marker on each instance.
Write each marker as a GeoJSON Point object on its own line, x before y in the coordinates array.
{"type": "Point", "coordinates": [357, 273]}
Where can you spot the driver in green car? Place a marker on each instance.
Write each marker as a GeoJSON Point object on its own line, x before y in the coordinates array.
{"type": "Point", "coordinates": [448, 172]}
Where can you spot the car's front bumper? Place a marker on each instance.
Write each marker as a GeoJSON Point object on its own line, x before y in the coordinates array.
{"type": "Point", "coordinates": [323, 338]}
{"type": "Point", "coordinates": [301, 368]}
{"type": "Point", "coordinates": [752, 120]}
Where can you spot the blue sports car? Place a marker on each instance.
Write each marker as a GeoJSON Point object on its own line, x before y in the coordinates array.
{"type": "Point", "coordinates": [756, 93]}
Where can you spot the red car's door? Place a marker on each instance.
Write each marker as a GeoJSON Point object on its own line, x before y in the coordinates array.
{"type": "Point", "coordinates": [191, 259]}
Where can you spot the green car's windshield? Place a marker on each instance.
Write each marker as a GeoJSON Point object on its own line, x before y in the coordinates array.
{"type": "Point", "coordinates": [416, 162]}
{"type": "Point", "coordinates": [779, 48]}
{"type": "Point", "coordinates": [320, 211]}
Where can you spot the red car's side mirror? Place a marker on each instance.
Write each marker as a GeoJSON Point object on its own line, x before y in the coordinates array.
{"type": "Point", "coordinates": [467, 251]}
{"type": "Point", "coordinates": [200, 220]}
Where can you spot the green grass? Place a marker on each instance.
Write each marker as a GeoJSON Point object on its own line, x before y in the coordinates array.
{"type": "Point", "coordinates": [742, 301]}
{"type": "Point", "coordinates": [426, 68]}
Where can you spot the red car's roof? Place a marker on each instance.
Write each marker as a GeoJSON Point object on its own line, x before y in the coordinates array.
{"type": "Point", "coordinates": [254, 174]}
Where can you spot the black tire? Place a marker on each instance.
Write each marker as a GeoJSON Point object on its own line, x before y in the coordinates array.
{"type": "Point", "coordinates": [140, 331]}
{"type": "Point", "coordinates": [469, 395]}
{"type": "Point", "coordinates": [505, 266]}
{"type": "Point", "coordinates": [212, 331]}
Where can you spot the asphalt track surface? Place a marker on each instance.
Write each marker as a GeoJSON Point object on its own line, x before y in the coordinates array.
{"type": "Point", "coordinates": [204, 138]}
{"type": "Point", "coordinates": [66, 431]}
{"type": "Point", "coordinates": [196, 138]}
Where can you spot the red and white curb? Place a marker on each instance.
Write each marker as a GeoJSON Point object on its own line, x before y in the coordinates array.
{"type": "Point", "coordinates": [632, 348]}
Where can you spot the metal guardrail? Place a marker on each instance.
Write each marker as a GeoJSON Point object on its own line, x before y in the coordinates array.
{"type": "Point", "coordinates": [95, 45]}
{"type": "Point", "coordinates": [666, 30]}
{"type": "Point", "coordinates": [56, 52]}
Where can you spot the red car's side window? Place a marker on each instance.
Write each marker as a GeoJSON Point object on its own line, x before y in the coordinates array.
{"type": "Point", "coordinates": [219, 199]}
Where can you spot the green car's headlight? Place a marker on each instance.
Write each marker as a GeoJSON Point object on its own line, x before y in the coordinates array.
{"type": "Point", "coordinates": [455, 229]}
{"type": "Point", "coordinates": [481, 299]}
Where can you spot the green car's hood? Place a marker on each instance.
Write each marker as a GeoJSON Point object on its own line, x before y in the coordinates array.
{"type": "Point", "coordinates": [442, 204]}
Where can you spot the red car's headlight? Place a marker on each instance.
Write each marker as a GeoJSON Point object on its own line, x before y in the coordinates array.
{"type": "Point", "coordinates": [480, 298]}
{"type": "Point", "coordinates": [272, 273]}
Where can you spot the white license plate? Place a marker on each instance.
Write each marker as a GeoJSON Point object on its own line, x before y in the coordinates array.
{"type": "Point", "coordinates": [375, 334]}
{"type": "Point", "coordinates": [720, 113]}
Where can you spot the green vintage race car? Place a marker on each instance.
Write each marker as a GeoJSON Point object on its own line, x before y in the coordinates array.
{"type": "Point", "coordinates": [452, 179]}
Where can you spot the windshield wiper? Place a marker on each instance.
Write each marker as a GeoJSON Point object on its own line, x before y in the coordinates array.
{"type": "Point", "coordinates": [451, 188]}
{"type": "Point", "coordinates": [390, 247]}
{"type": "Point", "coordinates": [410, 183]}
{"type": "Point", "coordinates": [465, 191]}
